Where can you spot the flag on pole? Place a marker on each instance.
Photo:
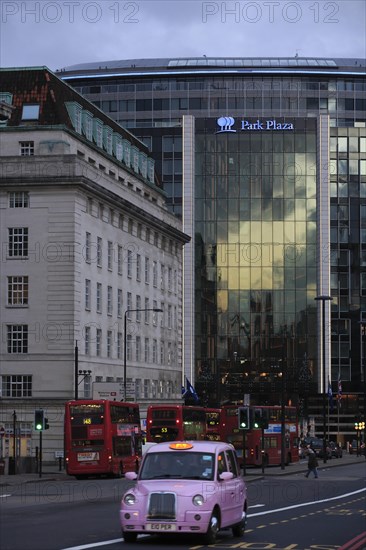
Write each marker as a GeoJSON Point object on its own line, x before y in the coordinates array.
{"type": "Point", "coordinates": [330, 396]}
{"type": "Point", "coordinates": [191, 392]}
{"type": "Point", "coordinates": [339, 391]}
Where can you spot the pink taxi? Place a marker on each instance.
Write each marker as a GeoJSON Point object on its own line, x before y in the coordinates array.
{"type": "Point", "coordinates": [185, 487]}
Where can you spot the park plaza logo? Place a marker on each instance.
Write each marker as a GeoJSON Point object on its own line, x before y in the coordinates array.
{"type": "Point", "coordinates": [226, 124]}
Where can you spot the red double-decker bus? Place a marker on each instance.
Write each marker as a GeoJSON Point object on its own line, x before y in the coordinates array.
{"type": "Point", "coordinates": [213, 422]}
{"type": "Point", "coordinates": [268, 450]}
{"type": "Point", "coordinates": [102, 437]}
{"type": "Point", "coordinates": [175, 423]}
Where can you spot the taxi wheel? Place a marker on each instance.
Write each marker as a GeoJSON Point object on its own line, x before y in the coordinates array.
{"type": "Point", "coordinates": [214, 526]}
{"type": "Point", "coordinates": [239, 528]}
{"type": "Point", "coordinates": [129, 537]}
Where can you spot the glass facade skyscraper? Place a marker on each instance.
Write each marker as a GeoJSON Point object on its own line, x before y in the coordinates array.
{"type": "Point", "coordinates": [265, 160]}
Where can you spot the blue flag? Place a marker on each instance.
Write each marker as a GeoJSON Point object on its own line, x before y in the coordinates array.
{"type": "Point", "coordinates": [330, 396]}
{"type": "Point", "coordinates": [191, 392]}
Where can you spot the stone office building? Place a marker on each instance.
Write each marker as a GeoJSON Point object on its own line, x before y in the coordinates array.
{"type": "Point", "coordinates": [86, 237]}
{"type": "Point", "coordinates": [265, 160]}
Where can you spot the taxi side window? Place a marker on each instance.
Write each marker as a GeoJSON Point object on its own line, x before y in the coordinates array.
{"type": "Point", "coordinates": [221, 465]}
{"type": "Point", "coordinates": [232, 463]}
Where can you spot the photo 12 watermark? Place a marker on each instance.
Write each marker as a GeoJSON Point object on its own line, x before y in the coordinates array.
{"type": "Point", "coordinates": [270, 12]}
{"type": "Point", "coordinates": [70, 12]}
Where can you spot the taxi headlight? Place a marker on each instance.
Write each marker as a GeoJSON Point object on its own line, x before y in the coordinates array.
{"type": "Point", "coordinates": [129, 499]}
{"type": "Point", "coordinates": [198, 500]}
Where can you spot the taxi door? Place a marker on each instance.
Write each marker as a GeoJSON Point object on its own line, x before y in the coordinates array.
{"type": "Point", "coordinates": [231, 491]}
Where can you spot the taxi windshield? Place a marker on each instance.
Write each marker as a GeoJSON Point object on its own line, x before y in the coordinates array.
{"type": "Point", "coordinates": [178, 465]}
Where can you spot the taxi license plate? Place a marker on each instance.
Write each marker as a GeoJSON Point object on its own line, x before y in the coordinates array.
{"type": "Point", "coordinates": [161, 527]}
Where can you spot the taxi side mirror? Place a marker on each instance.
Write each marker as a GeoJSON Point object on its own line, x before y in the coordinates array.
{"type": "Point", "coordinates": [131, 476]}
{"type": "Point", "coordinates": [225, 476]}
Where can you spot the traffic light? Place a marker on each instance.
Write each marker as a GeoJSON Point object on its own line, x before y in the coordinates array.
{"type": "Point", "coordinates": [256, 418]}
{"type": "Point", "coordinates": [46, 424]}
{"type": "Point", "coordinates": [243, 418]}
{"type": "Point", "coordinates": [39, 419]}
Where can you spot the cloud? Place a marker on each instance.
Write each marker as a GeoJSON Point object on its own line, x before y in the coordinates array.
{"type": "Point", "coordinates": [59, 33]}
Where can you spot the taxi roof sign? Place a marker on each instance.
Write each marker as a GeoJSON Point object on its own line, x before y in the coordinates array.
{"type": "Point", "coordinates": [180, 446]}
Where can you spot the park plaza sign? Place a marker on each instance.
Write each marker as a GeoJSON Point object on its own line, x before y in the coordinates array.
{"type": "Point", "coordinates": [226, 124]}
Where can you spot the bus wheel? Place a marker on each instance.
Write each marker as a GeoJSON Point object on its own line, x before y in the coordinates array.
{"type": "Point", "coordinates": [214, 526]}
{"type": "Point", "coordinates": [129, 537]}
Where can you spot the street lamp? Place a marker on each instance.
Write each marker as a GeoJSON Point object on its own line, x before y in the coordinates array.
{"type": "Point", "coordinates": [363, 336]}
{"type": "Point", "coordinates": [156, 310]}
{"type": "Point", "coordinates": [324, 299]}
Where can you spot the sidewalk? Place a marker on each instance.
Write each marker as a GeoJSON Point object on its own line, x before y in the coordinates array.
{"type": "Point", "coordinates": [51, 473]}
{"type": "Point", "coordinates": [301, 466]}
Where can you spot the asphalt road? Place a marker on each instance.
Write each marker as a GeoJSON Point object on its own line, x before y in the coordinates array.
{"type": "Point", "coordinates": [287, 512]}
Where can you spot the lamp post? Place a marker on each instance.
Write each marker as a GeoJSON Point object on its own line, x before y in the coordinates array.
{"type": "Point", "coordinates": [76, 370]}
{"type": "Point", "coordinates": [156, 310]}
{"type": "Point", "coordinates": [363, 336]}
{"type": "Point", "coordinates": [324, 299]}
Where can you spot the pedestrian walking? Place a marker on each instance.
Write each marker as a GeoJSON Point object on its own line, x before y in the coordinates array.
{"type": "Point", "coordinates": [312, 463]}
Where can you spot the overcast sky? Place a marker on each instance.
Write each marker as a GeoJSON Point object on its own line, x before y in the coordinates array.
{"type": "Point", "coordinates": [60, 33]}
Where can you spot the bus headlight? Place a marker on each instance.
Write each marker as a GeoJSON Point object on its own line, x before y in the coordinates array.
{"type": "Point", "coordinates": [198, 500]}
{"type": "Point", "coordinates": [129, 499]}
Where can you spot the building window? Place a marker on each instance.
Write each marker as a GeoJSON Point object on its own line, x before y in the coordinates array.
{"type": "Point", "coordinates": [170, 279]}
{"type": "Point", "coordinates": [99, 252]}
{"type": "Point", "coordinates": [87, 340]}
{"type": "Point", "coordinates": [87, 293]}
{"type": "Point", "coordinates": [138, 267]}
{"type": "Point", "coordinates": [129, 347]}
{"type": "Point", "coordinates": [155, 274]}
{"type": "Point", "coordinates": [138, 348]}
{"type": "Point", "coordinates": [17, 338]}
{"type": "Point", "coordinates": [162, 305]}
{"type": "Point", "coordinates": [110, 255]}
{"type": "Point", "coordinates": [138, 309]}
{"type": "Point", "coordinates": [16, 385]}
{"type": "Point", "coordinates": [169, 316]}
{"type": "Point", "coordinates": [147, 351]}
{"type": "Point", "coordinates": [119, 302]}
{"type": "Point", "coordinates": [129, 304]}
{"type": "Point", "coordinates": [147, 270]}
{"type": "Point", "coordinates": [129, 264]}
{"type": "Point", "coordinates": [162, 276]}
{"type": "Point", "coordinates": [98, 342]}
{"type": "Point", "coordinates": [162, 353]}
{"type": "Point", "coordinates": [109, 300]}
{"type": "Point", "coordinates": [155, 352]}
{"type": "Point", "coordinates": [87, 247]}
{"type": "Point", "coordinates": [18, 241]}
{"type": "Point", "coordinates": [119, 259]}
{"type": "Point", "coordinates": [155, 315]}
{"type": "Point", "coordinates": [109, 343]}
{"type": "Point", "coordinates": [147, 313]}
{"type": "Point", "coordinates": [119, 345]}
{"type": "Point", "coordinates": [99, 297]}
{"type": "Point", "coordinates": [17, 290]}
{"type": "Point", "coordinates": [19, 199]}
{"type": "Point", "coordinates": [169, 353]}
{"type": "Point", "coordinates": [26, 148]}
{"type": "Point", "coordinates": [30, 112]}
{"type": "Point", "coordinates": [138, 388]}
